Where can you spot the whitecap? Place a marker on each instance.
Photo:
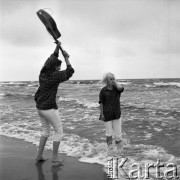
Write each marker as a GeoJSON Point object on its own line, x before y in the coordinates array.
{"type": "Point", "coordinates": [83, 102]}
{"type": "Point", "coordinates": [167, 84]}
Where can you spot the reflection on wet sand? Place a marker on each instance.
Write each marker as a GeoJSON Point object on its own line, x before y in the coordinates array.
{"type": "Point", "coordinates": [54, 170]}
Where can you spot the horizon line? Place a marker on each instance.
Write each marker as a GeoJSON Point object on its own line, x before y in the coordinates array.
{"type": "Point", "coordinates": [90, 79]}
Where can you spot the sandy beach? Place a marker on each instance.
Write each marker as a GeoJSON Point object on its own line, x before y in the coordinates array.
{"type": "Point", "coordinates": [17, 163]}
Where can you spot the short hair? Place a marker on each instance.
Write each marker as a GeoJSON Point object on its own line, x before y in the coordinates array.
{"type": "Point", "coordinates": [50, 65]}
{"type": "Point", "coordinates": [106, 77]}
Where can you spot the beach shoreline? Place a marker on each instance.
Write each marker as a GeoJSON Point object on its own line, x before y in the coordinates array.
{"type": "Point", "coordinates": [17, 162]}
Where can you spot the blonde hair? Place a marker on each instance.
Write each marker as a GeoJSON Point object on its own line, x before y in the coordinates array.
{"type": "Point", "coordinates": [106, 77]}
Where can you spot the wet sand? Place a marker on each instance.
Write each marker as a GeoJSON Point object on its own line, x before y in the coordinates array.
{"type": "Point", "coordinates": [17, 162]}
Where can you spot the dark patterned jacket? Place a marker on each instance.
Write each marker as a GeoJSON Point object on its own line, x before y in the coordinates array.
{"type": "Point", "coordinates": [45, 96]}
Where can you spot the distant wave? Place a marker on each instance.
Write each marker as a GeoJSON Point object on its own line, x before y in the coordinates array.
{"type": "Point", "coordinates": [6, 94]}
{"type": "Point", "coordinates": [13, 83]}
{"type": "Point", "coordinates": [15, 95]}
{"type": "Point", "coordinates": [33, 85]}
{"type": "Point", "coordinates": [124, 83]}
{"type": "Point", "coordinates": [29, 84]}
{"type": "Point", "coordinates": [83, 81]}
{"type": "Point", "coordinates": [162, 84]}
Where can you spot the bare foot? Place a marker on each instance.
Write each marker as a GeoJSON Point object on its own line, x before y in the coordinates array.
{"type": "Point", "coordinates": [40, 159]}
{"type": "Point", "coordinates": [58, 160]}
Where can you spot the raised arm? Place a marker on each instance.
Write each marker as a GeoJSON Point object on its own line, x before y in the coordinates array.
{"type": "Point", "coordinates": [64, 53]}
{"type": "Point", "coordinates": [66, 58]}
{"type": "Point", "coordinates": [56, 51]}
{"type": "Point", "coordinates": [119, 87]}
{"type": "Point", "coordinates": [65, 74]}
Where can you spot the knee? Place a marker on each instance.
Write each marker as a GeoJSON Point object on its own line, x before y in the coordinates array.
{"type": "Point", "coordinates": [45, 134]}
{"type": "Point", "coordinates": [58, 137]}
{"type": "Point", "coordinates": [109, 132]}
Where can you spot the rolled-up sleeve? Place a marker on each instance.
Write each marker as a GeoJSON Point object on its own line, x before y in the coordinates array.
{"type": "Point", "coordinates": [66, 74]}
{"type": "Point", "coordinates": [120, 90]}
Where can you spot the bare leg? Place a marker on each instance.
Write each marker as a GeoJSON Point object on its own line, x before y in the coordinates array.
{"type": "Point", "coordinates": [56, 158]}
{"type": "Point", "coordinates": [42, 144]}
{"type": "Point", "coordinates": [109, 144]}
{"type": "Point", "coordinates": [109, 140]}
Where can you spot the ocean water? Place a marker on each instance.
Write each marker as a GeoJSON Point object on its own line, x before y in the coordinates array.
{"type": "Point", "coordinates": [150, 114]}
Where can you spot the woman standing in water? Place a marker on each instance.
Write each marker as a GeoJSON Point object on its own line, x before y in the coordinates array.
{"type": "Point", "coordinates": [49, 79]}
{"type": "Point", "coordinates": [110, 112]}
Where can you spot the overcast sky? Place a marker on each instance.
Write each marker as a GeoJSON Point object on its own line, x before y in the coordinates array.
{"type": "Point", "coordinates": [131, 38]}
